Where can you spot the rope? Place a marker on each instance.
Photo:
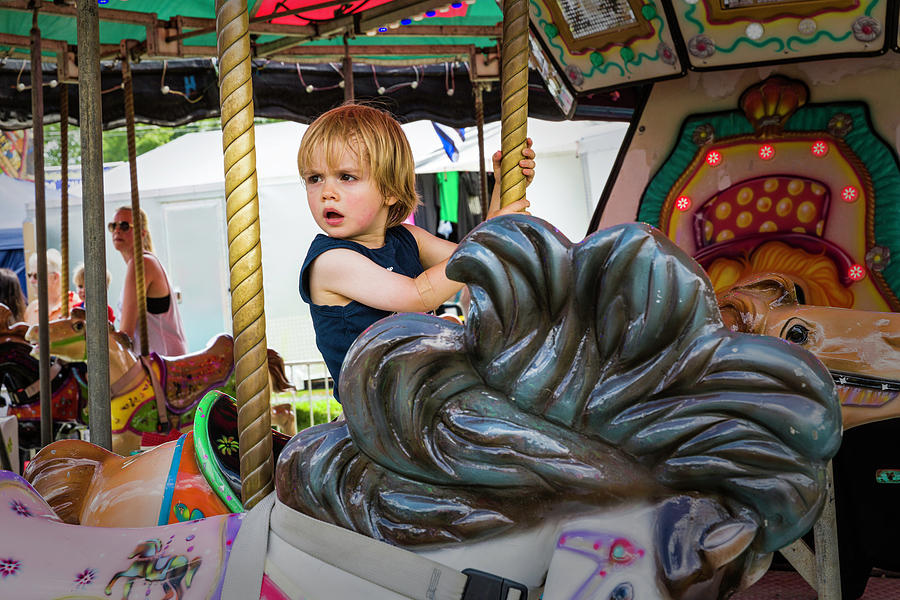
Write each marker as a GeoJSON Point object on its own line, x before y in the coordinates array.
{"type": "Point", "coordinates": [514, 108]}
{"type": "Point", "coordinates": [482, 171]}
{"type": "Point", "coordinates": [64, 194]}
{"type": "Point", "coordinates": [244, 251]}
{"type": "Point", "coordinates": [136, 220]}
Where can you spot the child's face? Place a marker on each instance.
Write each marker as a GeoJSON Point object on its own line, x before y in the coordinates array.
{"type": "Point", "coordinates": [344, 199]}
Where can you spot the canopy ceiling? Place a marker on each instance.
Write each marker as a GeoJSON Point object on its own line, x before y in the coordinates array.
{"type": "Point", "coordinates": [412, 55]}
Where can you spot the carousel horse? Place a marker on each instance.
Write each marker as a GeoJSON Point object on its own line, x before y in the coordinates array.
{"type": "Point", "coordinates": [192, 477]}
{"type": "Point", "coordinates": [860, 348]}
{"type": "Point", "coordinates": [592, 431]}
{"type": "Point", "coordinates": [19, 374]}
{"type": "Point", "coordinates": [153, 393]}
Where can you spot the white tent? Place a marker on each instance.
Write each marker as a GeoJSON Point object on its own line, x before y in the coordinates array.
{"type": "Point", "coordinates": [182, 190]}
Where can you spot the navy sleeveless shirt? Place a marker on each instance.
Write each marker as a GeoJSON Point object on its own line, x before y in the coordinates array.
{"type": "Point", "coordinates": [338, 326]}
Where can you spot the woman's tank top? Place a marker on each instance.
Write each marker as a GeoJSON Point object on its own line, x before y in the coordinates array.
{"type": "Point", "coordinates": [165, 333]}
{"type": "Point", "coordinates": [338, 326]}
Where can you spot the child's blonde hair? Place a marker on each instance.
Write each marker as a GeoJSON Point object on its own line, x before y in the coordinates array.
{"type": "Point", "coordinates": [380, 142]}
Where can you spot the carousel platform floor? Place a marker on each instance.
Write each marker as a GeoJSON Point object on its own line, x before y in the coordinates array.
{"type": "Point", "coordinates": [788, 585]}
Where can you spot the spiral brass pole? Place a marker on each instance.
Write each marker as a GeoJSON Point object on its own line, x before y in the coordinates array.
{"type": "Point", "coordinates": [64, 194]}
{"type": "Point", "coordinates": [514, 107]}
{"type": "Point", "coordinates": [478, 88]}
{"type": "Point", "coordinates": [244, 251]}
{"type": "Point", "coordinates": [137, 223]}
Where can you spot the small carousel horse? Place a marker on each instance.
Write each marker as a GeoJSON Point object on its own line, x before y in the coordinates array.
{"type": "Point", "coordinates": [147, 390]}
{"type": "Point", "coordinates": [593, 430]}
{"type": "Point", "coordinates": [860, 348]}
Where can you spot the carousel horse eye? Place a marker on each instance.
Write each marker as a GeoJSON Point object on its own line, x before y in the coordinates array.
{"type": "Point", "coordinates": [623, 591]}
{"type": "Point", "coordinates": [78, 325]}
{"type": "Point", "coordinates": [797, 334]}
{"type": "Point", "coordinates": [621, 552]}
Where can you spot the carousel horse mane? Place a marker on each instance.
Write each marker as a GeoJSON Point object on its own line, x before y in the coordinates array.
{"type": "Point", "coordinates": [278, 381]}
{"type": "Point", "coordinates": [64, 477]}
{"type": "Point", "coordinates": [586, 374]}
{"type": "Point", "coordinates": [747, 303]}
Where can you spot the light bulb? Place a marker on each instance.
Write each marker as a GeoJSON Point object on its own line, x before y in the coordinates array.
{"type": "Point", "coordinates": [165, 89]}
{"type": "Point", "coordinates": [414, 84]}
{"type": "Point", "coordinates": [20, 86]}
{"type": "Point", "coordinates": [450, 92]}
{"type": "Point", "coordinates": [341, 84]}
{"type": "Point", "coordinates": [381, 90]}
{"type": "Point", "coordinates": [309, 89]}
{"type": "Point", "coordinates": [53, 83]}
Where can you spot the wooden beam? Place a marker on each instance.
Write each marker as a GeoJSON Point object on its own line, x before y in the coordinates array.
{"type": "Point", "coordinates": [113, 15]}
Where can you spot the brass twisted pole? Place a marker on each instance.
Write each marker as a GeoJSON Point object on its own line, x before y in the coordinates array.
{"type": "Point", "coordinates": [244, 251]}
{"type": "Point", "coordinates": [64, 194]}
{"type": "Point", "coordinates": [478, 88]}
{"type": "Point", "coordinates": [137, 223]}
{"type": "Point", "coordinates": [514, 107]}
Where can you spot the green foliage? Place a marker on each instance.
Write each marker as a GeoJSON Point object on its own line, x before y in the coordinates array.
{"type": "Point", "coordinates": [115, 141]}
{"type": "Point", "coordinates": [320, 411]}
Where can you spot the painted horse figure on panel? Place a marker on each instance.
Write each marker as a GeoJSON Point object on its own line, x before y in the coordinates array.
{"type": "Point", "coordinates": [592, 431]}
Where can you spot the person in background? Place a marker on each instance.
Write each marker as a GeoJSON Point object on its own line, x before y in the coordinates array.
{"type": "Point", "coordinates": [165, 332]}
{"type": "Point", "coordinates": [78, 279]}
{"type": "Point", "coordinates": [11, 294]}
{"type": "Point", "coordinates": [54, 287]}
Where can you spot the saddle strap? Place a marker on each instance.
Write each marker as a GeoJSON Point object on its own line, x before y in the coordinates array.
{"type": "Point", "coordinates": [246, 564]}
{"type": "Point", "coordinates": [35, 387]}
{"type": "Point", "coordinates": [158, 392]}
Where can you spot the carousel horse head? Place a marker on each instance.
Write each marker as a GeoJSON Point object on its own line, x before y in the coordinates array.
{"type": "Point", "coordinates": [860, 348]}
{"type": "Point", "coordinates": [68, 342]}
{"type": "Point", "coordinates": [593, 401]}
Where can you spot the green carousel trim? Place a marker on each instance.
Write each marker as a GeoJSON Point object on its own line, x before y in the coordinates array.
{"type": "Point", "coordinates": [879, 159]}
{"type": "Point", "coordinates": [204, 452]}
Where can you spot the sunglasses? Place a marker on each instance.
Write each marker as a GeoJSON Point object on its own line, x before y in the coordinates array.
{"type": "Point", "coordinates": [32, 275]}
{"type": "Point", "coordinates": [123, 226]}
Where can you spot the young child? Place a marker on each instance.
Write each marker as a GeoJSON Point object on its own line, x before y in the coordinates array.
{"type": "Point", "coordinates": [359, 174]}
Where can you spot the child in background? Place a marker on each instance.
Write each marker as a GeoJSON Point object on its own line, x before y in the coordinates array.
{"type": "Point", "coordinates": [359, 174]}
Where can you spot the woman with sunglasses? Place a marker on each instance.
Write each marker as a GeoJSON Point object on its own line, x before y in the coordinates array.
{"type": "Point", "coordinates": [165, 333]}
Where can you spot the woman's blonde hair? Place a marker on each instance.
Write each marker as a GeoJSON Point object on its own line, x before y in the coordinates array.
{"type": "Point", "coordinates": [379, 142]}
{"type": "Point", "coordinates": [148, 241]}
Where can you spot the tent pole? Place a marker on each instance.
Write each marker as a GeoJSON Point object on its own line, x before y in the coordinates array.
{"type": "Point", "coordinates": [90, 120]}
{"type": "Point", "coordinates": [40, 210]}
{"type": "Point", "coordinates": [244, 252]}
{"type": "Point", "coordinates": [64, 194]}
{"type": "Point", "coordinates": [514, 107]}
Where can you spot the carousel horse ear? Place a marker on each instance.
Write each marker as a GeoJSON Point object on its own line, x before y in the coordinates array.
{"type": "Point", "coordinates": [725, 541]}
{"type": "Point", "coordinates": [78, 313]}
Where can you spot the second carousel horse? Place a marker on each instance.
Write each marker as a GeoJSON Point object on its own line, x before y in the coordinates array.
{"type": "Point", "coordinates": [148, 390]}
{"type": "Point", "coordinates": [860, 348]}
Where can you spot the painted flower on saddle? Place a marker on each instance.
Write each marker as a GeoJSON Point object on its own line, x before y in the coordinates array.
{"type": "Point", "coordinates": [9, 566]}
{"type": "Point", "coordinates": [85, 577]}
{"type": "Point", "coordinates": [227, 445]}
{"type": "Point", "coordinates": [19, 508]}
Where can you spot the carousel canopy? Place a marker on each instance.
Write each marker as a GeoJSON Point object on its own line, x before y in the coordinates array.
{"type": "Point", "coordinates": [417, 56]}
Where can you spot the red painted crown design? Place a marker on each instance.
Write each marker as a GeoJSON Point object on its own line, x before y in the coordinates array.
{"type": "Point", "coordinates": [769, 104]}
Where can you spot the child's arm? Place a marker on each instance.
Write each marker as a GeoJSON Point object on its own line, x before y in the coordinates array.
{"type": "Point", "coordinates": [339, 276]}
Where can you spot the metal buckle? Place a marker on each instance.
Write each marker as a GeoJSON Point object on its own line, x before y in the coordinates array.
{"type": "Point", "coordinates": [485, 586]}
